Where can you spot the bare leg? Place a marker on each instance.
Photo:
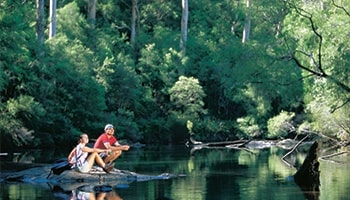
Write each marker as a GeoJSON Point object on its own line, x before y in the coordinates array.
{"type": "Point", "coordinates": [92, 196]}
{"type": "Point", "coordinates": [95, 157]}
{"type": "Point", "coordinates": [91, 160]}
{"type": "Point", "coordinates": [113, 156]}
{"type": "Point", "coordinates": [113, 195]}
{"type": "Point", "coordinates": [100, 196]}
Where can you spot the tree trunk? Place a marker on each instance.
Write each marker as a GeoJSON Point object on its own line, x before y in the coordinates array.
{"type": "Point", "coordinates": [134, 17]}
{"type": "Point", "coordinates": [40, 20]}
{"type": "Point", "coordinates": [92, 11]}
{"type": "Point", "coordinates": [52, 31]}
{"type": "Point", "coordinates": [246, 30]}
{"type": "Point", "coordinates": [308, 176]}
{"type": "Point", "coordinates": [184, 25]}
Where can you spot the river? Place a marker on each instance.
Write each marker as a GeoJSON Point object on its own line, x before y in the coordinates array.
{"type": "Point", "coordinates": [216, 173]}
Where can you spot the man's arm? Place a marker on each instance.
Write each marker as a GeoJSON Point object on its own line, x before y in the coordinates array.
{"type": "Point", "coordinates": [117, 147]}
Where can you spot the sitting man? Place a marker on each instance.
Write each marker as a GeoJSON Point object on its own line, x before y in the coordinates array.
{"type": "Point", "coordinates": [109, 142]}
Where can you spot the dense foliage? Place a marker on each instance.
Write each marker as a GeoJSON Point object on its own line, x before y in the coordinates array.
{"type": "Point", "coordinates": [289, 77]}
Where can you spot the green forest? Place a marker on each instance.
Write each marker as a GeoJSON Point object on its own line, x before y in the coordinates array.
{"type": "Point", "coordinates": [163, 71]}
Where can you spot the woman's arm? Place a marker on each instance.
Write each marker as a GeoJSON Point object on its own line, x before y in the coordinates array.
{"type": "Point", "coordinates": [91, 150]}
{"type": "Point", "coordinates": [71, 154]}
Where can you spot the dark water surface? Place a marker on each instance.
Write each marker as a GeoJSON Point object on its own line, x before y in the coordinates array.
{"type": "Point", "coordinates": [210, 174]}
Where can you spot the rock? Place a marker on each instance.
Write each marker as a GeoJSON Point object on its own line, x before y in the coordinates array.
{"type": "Point", "coordinates": [287, 143]}
{"type": "Point", "coordinates": [260, 144]}
{"type": "Point", "coordinates": [97, 175]}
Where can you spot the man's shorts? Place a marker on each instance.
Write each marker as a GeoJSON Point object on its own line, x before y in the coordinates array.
{"type": "Point", "coordinates": [103, 155]}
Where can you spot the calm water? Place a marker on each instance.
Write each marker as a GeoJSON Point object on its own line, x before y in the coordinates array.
{"type": "Point", "coordinates": [210, 174]}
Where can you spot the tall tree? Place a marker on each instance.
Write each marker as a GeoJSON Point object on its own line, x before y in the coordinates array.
{"type": "Point", "coordinates": [184, 24]}
{"type": "Point", "coordinates": [40, 20]}
{"type": "Point", "coordinates": [134, 18]}
{"type": "Point", "coordinates": [246, 30]}
{"type": "Point", "coordinates": [52, 32]}
{"type": "Point", "coordinates": [91, 10]}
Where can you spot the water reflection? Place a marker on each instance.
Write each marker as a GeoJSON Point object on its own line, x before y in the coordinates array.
{"type": "Point", "coordinates": [210, 174]}
{"type": "Point", "coordinates": [87, 192]}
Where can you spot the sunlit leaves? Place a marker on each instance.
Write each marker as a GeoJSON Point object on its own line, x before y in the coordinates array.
{"type": "Point", "coordinates": [248, 127]}
{"type": "Point", "coordinates": [160, 12]}
{"type": "Point", "coordinates": [280, 125]}
{"type": "Point", "coordinates": [71, 22]}
{"type": "Point", "coordinates": [83, 69]}
{"type": "Point", "coordinates": [187, 96]}
{"type": "Point", "coordinates": [326, 97]}
{"type": "Point", "coordinates": [25, 108]}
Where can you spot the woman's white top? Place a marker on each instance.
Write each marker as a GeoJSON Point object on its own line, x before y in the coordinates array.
{"type": "Point", "coordinates": [80, 156]}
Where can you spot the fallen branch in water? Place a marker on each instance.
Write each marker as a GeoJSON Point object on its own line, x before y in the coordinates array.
{"type": "Point", "coordinates": [334, 154]}
{"type": "Point", "coordinates": [222, 143]}
{"type": "Point", "coordinates": [236, 144]}
{"type": "Point", "coordinates": [291, 151]}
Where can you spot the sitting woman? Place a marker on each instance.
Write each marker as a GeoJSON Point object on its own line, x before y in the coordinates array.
{"type": "Point", "coordinates": [84, 157]}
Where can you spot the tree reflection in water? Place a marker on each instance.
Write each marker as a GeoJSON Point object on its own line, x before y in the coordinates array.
{"type": "Point", "coordinates": [210, 174]}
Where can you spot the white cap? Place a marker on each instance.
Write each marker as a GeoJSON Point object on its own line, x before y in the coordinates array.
{"type": "Point", "coordinates": [108, 126]}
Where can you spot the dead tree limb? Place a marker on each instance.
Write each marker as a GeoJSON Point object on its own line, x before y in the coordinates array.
{"type": "Point", "coordinates": [218, 144]}
{"type": "Point", "coordinates": [326, 157]}
{"type": "Point", "coordinates": [291, 151]}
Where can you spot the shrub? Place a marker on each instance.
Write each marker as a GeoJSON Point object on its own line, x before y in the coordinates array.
{"type": "Point", "coordinates": [280, 126]}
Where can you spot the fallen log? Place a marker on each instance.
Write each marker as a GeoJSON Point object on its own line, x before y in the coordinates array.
{"type": "Point", "coordinates": [198, 145]}
{"type": "Point", "coordinates": [218, 144]}
{"type": "Point", "coordinates": [236, 143]}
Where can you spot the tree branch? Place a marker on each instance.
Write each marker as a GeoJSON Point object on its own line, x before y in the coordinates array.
{"type": "Point", "coordinates": [283, 158]}
{"type": "Point", "coordinates": [332, 155]}
{"type": "Point", "coordinates": [318, 64]}
{"type": "Point", "coordinates": [339, 106]}
{"type": "Point", "coordinates": [292, 56]}
{"type": "Point", "coordinates": [341, 7]}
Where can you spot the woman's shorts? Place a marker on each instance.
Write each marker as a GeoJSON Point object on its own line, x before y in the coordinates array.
{"type": "Point", "coordinates": [84, 168]}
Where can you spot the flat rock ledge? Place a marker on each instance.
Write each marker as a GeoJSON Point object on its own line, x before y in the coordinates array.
{"type": "Point", "coordinates": [97, 175]}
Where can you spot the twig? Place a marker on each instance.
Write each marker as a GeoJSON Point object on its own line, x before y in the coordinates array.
{"type": "Point", "coordinates": [288, 163]}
